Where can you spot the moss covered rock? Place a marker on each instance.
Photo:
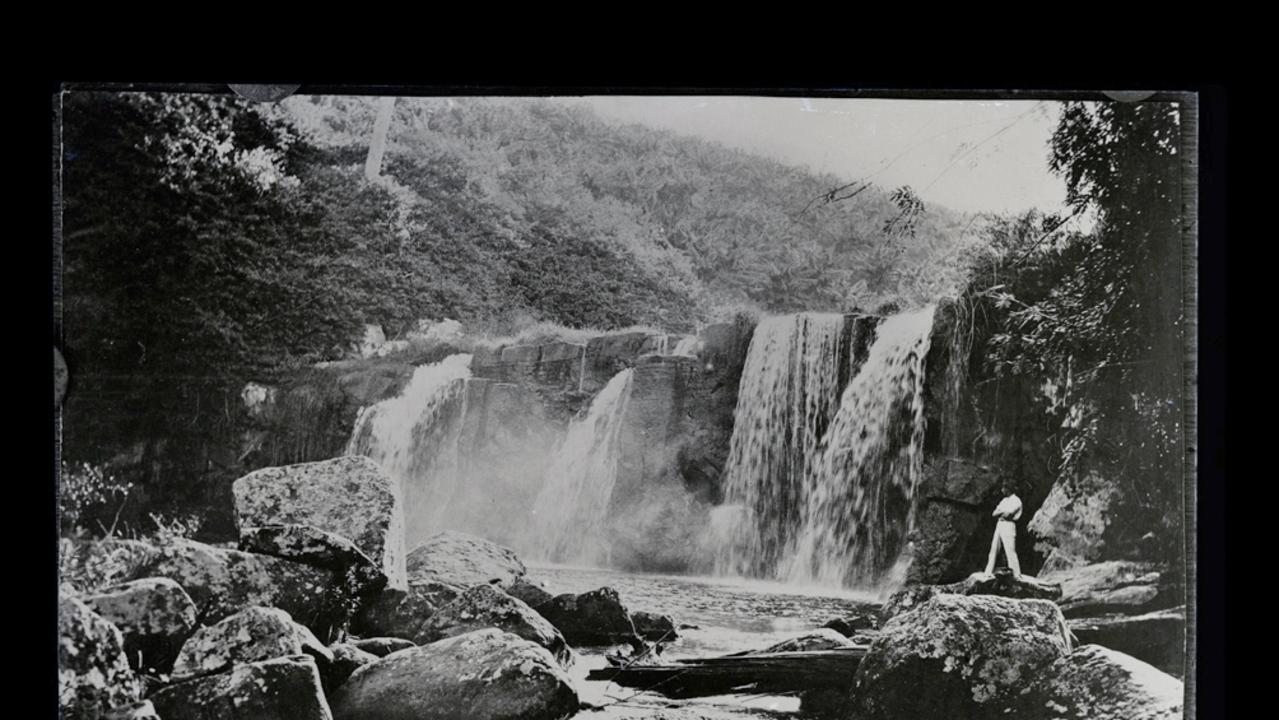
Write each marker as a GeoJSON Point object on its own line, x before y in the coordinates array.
{"type": "Point", "coordinates": [1096, 683]}
{"type": "Point", "coordinates": [154, 615]}
{"type": "Point", "coordinates": [93, 674]}
{"type": "Point", "coordinates": [484, 606]}
{"type": "Point", "coordinates": [286, 688]}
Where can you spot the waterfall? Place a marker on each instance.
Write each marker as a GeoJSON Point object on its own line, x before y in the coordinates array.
{"type": "Point", "coordinates": [860, 490]}
{"type": "Point", "coordinates": [568, 515]}
{"type": "Point", "coordinates": [788, 394]}
{"type": "Point", "coordinates": [688, 346]}
{"type": "Point", "coordinates": [414, 438]}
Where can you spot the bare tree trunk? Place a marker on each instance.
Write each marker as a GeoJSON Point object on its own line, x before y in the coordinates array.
{"type": "Point", "coordinates": [377, 146]}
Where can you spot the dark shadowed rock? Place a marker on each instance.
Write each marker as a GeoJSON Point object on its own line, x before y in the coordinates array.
{"type": "Point", "coordinates": [651, 626]}
{"type": "Point", "coordinates": [141, 710]}
{"type": "Point", "coordinates": [382, 646]}
{"type": "Point", "coordinates": [1095, 682]}
{"type": "Point", "coordinates": [851, 625]}
{"type": "Point", "coordinates": [823, 639]}
{"type": "Point", "coordinates": [347, 658]}
{"type": "Point", "coordinates": [1114, 586]}
{"type": "Point", "coordinates": [251, 635]}
{"type": "Point", "coordinates": [222, 582]}
{"type": "Point", "coordinates": [484, 606]}
{"type": "Point", "coordinates": [348, 496]}
{"type": "Point", "coordinates": [286, 688]}
{"type": "Point", "coordinates": [482, 675]}
{"type": "Point", "coordinates": [957, 656]}
{"type": "Point", "coordinates": [1158, 638]}
{"type": "Point", "coordinates": [154, 615]}
{"type": "Point", "coordinates": [592, 618]}
{"type": "Point", "coordinates": [463, 560]}
{"type": "Point", "coordinates": [531, 592]}
{"type": "Point", "coordinates": [312, 546]}
{"type": "Point", "coordinates": [93, 675]}
{"type": "Point", "coordinates": [401, 613]}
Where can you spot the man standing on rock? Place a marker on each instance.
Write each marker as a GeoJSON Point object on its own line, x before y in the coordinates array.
{"type": "Point", "coordinates": [1008, 512]}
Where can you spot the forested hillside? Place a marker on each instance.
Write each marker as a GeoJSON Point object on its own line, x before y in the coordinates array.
{"type": "Point", "coordinates": [210, 241]}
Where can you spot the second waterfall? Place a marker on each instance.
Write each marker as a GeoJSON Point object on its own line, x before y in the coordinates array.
{"type": "Point", "coordinates": [819, 486]}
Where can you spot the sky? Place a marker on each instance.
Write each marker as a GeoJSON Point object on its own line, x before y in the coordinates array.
{"type": "Point", "coordinates": [968, 155]}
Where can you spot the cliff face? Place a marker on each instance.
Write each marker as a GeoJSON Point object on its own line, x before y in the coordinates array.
{"type": "Point", "coordinates": [980, 427]}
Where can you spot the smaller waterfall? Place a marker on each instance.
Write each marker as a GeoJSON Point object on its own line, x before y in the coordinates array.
{"type": "Point", "coordinates": [688, 346]}
{"type": "Point", "coordinates": [568, 515]}
{"type": "Point", "coordinates": [413, 437]}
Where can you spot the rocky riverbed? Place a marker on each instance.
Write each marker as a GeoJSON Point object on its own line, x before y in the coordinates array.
{"type": "Point", "coordinates": [320, 613]}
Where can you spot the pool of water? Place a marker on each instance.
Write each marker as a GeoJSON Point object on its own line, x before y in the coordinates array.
{"type": "Point", "coordinates": [727, 614]}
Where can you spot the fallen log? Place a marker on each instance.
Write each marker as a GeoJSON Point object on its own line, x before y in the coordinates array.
{"type": "Point", "coordinates": [729, 674]}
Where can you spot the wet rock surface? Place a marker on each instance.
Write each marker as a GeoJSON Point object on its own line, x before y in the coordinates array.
{"type": "Point", "coordinates": [592, 618]}
{"type": "Point", "coordinates": [402, 613]}
{"type": "Point", "coordinates": [1158, 638]}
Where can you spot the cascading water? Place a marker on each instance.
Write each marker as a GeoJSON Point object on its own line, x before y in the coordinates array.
{"type": "Point", "coordinates": [568, 515]}
{"type": "Point", "coordinates": [860, 490]}
{"type": "Point", "coordinates": [788, 393]}
{"type": "Point", "coordinates": [413, 438]}
{"type": "Point", "coordinates": [688, 346]}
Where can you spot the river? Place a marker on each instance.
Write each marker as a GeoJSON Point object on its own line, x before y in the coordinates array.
{"type": "Point", "coordinates": [728, 614]}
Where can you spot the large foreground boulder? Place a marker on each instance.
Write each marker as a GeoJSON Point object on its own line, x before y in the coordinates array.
{"type": "Point", "coordinates": [286, 688]}
{"type": "Point", "coordinates": [462, 560]}
{"type": "Point", "coordinates": [222, 582]}
{"type": "Point", "coordinates": [592, 618]}
{"type": "Point", "coordinates": [482, 675]}
{"type": "Point", "coordinates": [251, 635]}
{"type": "Point", "coordinates": [484, 606]}
{"type": "Point", "coordinates": [348, 496]}
{"type": "Point", "coordinates": [957, 656]}
{"type": "Point", "coordinates": [402, 613]}
{"type": "Point", "coordinates": [93, 674]}
{"type": "Point", "coordinates": [1000, 583]}
{"type": "Point", "coordinates": [154, 615]}
{"type": "Point", "coordinates": [1096, 683]}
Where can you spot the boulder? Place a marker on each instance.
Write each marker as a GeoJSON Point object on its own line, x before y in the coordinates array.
{"type": "Point", "coordinates": [154, 615]}
{"type": "Point", "coordinates": [1094, 682]}
{"type": "Point", "coordinates": [533, 593]}
{"type": "Point", "coordinates": [822, 639]}
{"type": "Point", "coordinates": [382, 646]}
{"type": "Point", "coordinates": [591, 618]}
{"type": "Point", "coordinates": [90, 565]}
{"type": "Point", "coordinates": [1114, 586]}
{"type": "Point", "coordinates": [349, 496]}
{"type": "Point", "coordinates": [482, 675]}
{"type": "Point", "coordinates": [312, 546]}
{"type": "Point", "coordinates": [222, 582]}
{"type": "Point", "coordinates": [957, 656]}
{"type": "Point", "coordinates": [654, 627]}
{"type": "Point", "coordinates": [251, 635]}
{"type": "Point", "coordinates": [285, 688]}
{"type": "Point", "coordinates": [141, 710]}
{"type": "Point", "coordinates": [401, 613]}
{"type": "Point", "coordinates": [93, 674]}
{"type": "Point", "coordinates": [1001, 583]}
{"type": "Point", "coordinates": [1158, 638]}
{"type": "Point", "coordinates": [1073, 520]}
{"type": "Point", "coordinates": [484, 606]}
{"type": "Point", "coordinates": [463, 560]}
{"type": "Point", "coordinates": [347, 658]}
